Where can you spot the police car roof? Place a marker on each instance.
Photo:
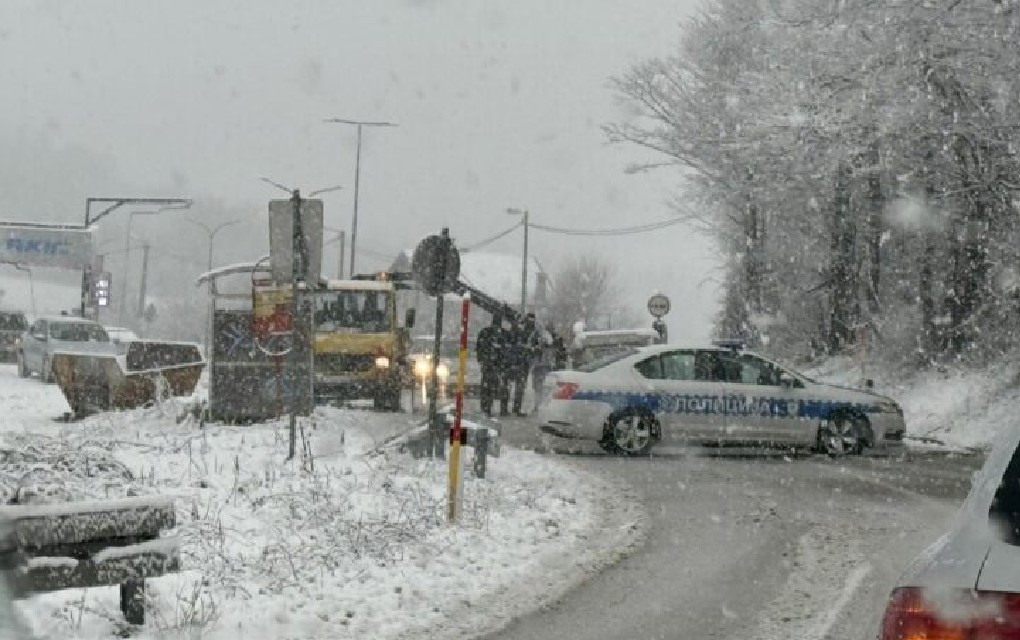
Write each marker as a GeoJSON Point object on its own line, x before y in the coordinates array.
{"type": "Point", "coordinates": [659, 348]}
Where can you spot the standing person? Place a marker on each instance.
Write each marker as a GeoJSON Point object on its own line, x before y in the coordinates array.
{"type": "Point", "coordinates": [489, 352]}
{"type": "Point", "coordinates": [559, 349]}
{"type": "Point", "coordinates": [505, 368]}
{"type": "Point", "coordinates": [543, 364]}
{"type": "Point", "coordinates": [517, 366]}
{"type": "Point", "coordinates": [522, 356]}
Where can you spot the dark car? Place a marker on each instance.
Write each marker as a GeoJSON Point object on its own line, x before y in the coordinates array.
{"type": "Point", "coordinates": [12, 325]}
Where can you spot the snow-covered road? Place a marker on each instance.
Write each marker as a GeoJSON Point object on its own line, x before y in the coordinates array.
{"type": "Point", "coordinates": [756, 547]}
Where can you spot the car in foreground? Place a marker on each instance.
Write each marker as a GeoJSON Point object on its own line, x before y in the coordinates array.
{"type": "Point", "coordinates": [53, 334]}
{"type": "Point", "coordinates": [713, 396]}
{"type": "Point", "coordinates": [12, 325]}
{"type": "Point", "coordinates": [967, 584]}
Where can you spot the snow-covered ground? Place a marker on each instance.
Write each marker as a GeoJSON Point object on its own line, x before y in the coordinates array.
{"type": "Point", "coordinates": [348, 541]}
{"type": "Point", "coordinates": [958, 408]}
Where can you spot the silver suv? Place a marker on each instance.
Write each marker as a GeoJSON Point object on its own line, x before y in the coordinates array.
{"type": "Point", "coordinates": [50, 335]}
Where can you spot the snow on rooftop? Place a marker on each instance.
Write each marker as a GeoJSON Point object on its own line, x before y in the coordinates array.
{"type": "Point", "coordinates": [498, 274]}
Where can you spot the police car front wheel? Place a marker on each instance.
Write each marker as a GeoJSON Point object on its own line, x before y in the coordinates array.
{"type": "Point", "coordinates": [842, 435]}
{"type": "Point", "coordinates": [630, 432]}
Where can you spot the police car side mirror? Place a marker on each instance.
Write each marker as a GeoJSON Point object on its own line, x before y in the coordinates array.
{"type": "Point", "coordinates": [787, 381]}
{"type": "Point", "coordinates": [409, 318]}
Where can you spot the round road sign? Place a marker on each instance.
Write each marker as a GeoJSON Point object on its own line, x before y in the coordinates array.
{"type": "Point", "coordinates": [436, 264]}
{"type": "Point", "coordinates": [658, 305]}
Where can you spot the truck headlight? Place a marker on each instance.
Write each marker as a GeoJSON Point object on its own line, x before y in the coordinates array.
{"type": "Point", "coordinates": [443, 371]}
{"type": "Point", "coordinates": [382, 362]}
{"type": "Point", "coordinates": [421, 367]}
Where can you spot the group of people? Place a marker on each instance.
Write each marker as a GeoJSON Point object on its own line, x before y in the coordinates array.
{"type": "Point", "coordinates": [508, 355]}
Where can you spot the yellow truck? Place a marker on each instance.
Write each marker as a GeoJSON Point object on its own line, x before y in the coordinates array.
{"type": "Point", "coordinates": [360, 349]}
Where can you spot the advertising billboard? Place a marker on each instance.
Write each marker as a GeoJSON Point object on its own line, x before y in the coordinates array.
{"type": "Point", "coordinates": [45, 246]}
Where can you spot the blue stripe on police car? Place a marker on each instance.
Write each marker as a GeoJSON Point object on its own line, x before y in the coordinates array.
{"type": "Point", "coordinates": [731, 404]}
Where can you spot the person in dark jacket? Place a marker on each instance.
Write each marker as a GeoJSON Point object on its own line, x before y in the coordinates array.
{"type": "Point", "coordinates": [559, 349]}
{"type": "Point", "coordinates": [522, 352]}
{"type": "Point", "coordinates": [490, 350]}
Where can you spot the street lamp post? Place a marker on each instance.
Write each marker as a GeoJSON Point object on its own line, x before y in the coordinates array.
{"type": "Point", "coordinates": [524, 260]}
{"type": "Point", "coordinates": [127, 261]}
{"type": "Point", "coordinates": [211, 233]}
{"type": "Point", "coordinates": [357, 174]}
{"type": "Point", "coordinates": [341, 237]}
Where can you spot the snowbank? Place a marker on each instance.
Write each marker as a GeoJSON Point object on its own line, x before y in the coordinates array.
{"type": "Point", "coordinates": [962, 409]}
{"type": "Point", "coordinates": [348, 541]}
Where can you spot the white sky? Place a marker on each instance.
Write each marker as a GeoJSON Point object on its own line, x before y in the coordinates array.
{"type": "Point", "coordinates": [499, 105]}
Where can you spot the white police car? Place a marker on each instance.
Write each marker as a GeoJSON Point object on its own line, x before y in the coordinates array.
{"type": "Point", "coordinates": [711, 396]}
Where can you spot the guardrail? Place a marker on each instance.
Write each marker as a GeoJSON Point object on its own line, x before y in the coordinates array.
{"type": "Point", "coordinates": [92, 544]}
{"type": "Point", "coordinates": [483, 439]}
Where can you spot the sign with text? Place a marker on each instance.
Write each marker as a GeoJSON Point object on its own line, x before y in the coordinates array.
{"type": "Point", "coordinates": [42, 246]}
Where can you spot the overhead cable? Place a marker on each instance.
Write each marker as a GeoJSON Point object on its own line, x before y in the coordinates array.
{"type": "Point", "coordinates": [619, 231]}
{"type": "Point", "coordinates": [491, 239]}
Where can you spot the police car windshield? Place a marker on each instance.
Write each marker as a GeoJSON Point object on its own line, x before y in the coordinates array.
{"type": "Point", "coordinates": [605, 361]}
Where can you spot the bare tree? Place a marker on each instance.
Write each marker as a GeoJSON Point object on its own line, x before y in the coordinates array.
{"type": "Point", "coordinates": [584, 289]}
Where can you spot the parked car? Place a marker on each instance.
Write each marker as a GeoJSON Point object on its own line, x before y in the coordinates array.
{"type": "Point", "coordinates": [12, 325]}
{"type": "Point", "coordinates": [713, 396]}
{"type": "Point", "coordinates": [967, 584]}
{"type": "Point", "coordinates": [49, 335]}
{"type": "Point", "coordinates": [121, 337]}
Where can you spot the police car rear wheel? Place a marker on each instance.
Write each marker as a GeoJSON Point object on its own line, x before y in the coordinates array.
{"type": "Point", "coordinates": [630, 432]}
{"type": "Point", "coordinates": [842, 435]}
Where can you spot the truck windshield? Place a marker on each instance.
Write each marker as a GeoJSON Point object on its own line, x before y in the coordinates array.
{"type": "Point", "coordinates": [353, 311]}
{"type": "Point", "coordinates": [12, 322]}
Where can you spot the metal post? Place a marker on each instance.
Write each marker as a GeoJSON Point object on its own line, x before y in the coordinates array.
{"type": "Point", "coordinates": [357, 175]}
{"type": "Point", "coordinates": [340, 262]}
{"type": "Point", "coordinates": [524, 268]}
{"type": "Point", "coordinates": [145, 275]}
{"type": "Point", "coordinates": [354, 220]}
{"type": "Point", "coordinates": [481, 451]}
{"type": "Point", "coordinates": [455, 496]}
{"type": "Point", "coordinates": [298, 247]}
{"type": "Point", "coordinates": [437, 424]}
{"type": "Point", "coordinates": [127, 265]}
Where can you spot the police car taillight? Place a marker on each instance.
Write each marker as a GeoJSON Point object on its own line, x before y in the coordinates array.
{"type": "Point", "coordinates": [564, 390]}
{"type": "Point", "coordinates": [914, 613]}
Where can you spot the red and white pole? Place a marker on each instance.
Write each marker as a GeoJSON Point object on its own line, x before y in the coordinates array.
{"type": "Point", "coordinates": [456, 434]}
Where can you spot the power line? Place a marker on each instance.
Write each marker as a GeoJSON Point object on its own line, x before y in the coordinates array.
{"type": "Point", "coordinates": [491, 239]}
{"type": "Point", "coordinates": [619, 231]}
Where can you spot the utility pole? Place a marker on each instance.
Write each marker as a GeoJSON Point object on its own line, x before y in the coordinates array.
{"type": "Point", "coordinates": [145, 275]}
{"type": "Point", "coordinates": [340, 262]}
{"type": "Point", "coordinates": [524, 259]}
{"type": "Point", "coordinates": [357, 175]}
